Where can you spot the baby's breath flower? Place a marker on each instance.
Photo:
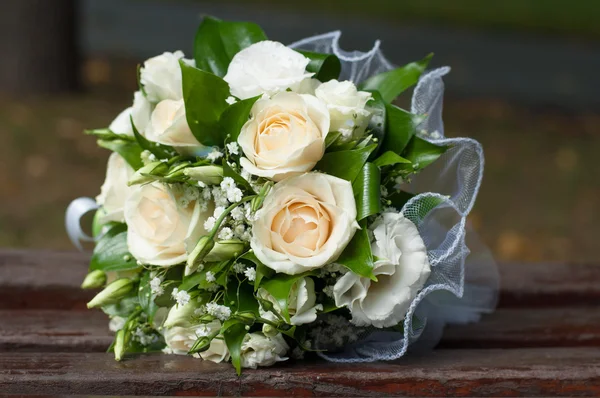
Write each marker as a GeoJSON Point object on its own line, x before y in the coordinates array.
{"type": "Point", "coordinates": [237, 214]}
{"type": "Point", "coordinates": [155, 286]}
{"type": "Point", "coordinates": [250, 274]}
{"type": "Point", "coordinates": [209, 223]}
{"type": "Point", "coordinates": [214, 155]}
{"type": "Point", "coordinates": [231, 100]}
{"type": "Point", "coordinates": [181, 296]}
{"type": "Point", "coordinates": [239, 267]}
{"type": "Point", "coordinates": [218, 311]}
{"type": "Point", "coordinates": [233, 148]}
{"type": "Point", "coordinates": [226, 234]}
{"type": "Point", "coordinates": [202, 331]}
{"type": "Point", "coordinates": [210, 277]}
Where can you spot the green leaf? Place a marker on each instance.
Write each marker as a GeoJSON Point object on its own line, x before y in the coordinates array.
{"type": "Point", "coordinates": [392, 83]}
{"type": "Point", "coordinates": [357, 256]}
{"type": "Point", "coordinates": [235, 116]}
{"type": "Point", "coordinates": [399, 198]}
{"type": "Point", "coordinates": [262, 271]}
{"type": "Point", "coordinates": [145, 296]}
{"type": "Point", "coordinates": [218, 41]}
{"type": "Point", "coordinates": [204, 95]}
{"type": "Point", "coordinates": [111, 252]}
{"type": "Point", "coordinates": [280, 287]}
{"type": "Point", "coordinates": [130, 151]}
{"type": "Point", "coordinates": [106, 134]}
{"type": "Point", "coordinates": [324, 66]}
{"type": "Point", "coordinates": [240, 298]}
{"type": "Point", "coordinates": [123, 308]}
{"type": "Point", "coordinates": [345, 164]}
{"type": "Point", "coordinates": [401, 126]}
{"type": "Point", "coordinates": [159, 150]}
{"type": "Point", "coordinates": [331, 137]}
{"type": "Point", "coordinates": [234, 334]}
{"type": "Point", "coordinates": [389, 158]}
{"type": "Point", "coordinates": [421, 153]}
{"type": "Point", "coordinates": [239, 180]}
{"type": "Point", "coordinates": [139, 80]}
{"type": "Point", "coordinates": [378, 123]}
{"type": "Point", "coordinates": [367, 191]}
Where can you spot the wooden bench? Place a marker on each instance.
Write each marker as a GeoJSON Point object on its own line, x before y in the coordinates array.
{"type": "Point", "coordinates": [543, 340]}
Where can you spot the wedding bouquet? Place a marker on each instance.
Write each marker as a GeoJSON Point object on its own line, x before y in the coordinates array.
{"type": "Point", "coordinates": [263, 201]}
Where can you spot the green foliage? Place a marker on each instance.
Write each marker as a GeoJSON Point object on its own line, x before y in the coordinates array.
{"type": "Point", "coordinates": [205, 97]}
{"type": "Point", "coordinates": [218, 41]}
{"type": "Point", "coordinates": [130, 151]}
{"type": "Point", "coordinates": [280, 286]}
{"type": "Point", "coordinates": [421, 154]}
{"type": "Point", "coordinates": [357, 256]}
{"type": "Point", "coordinates": [233, 118]}
{"type": "Point", "coordinates": [389, 158]}
{"type": "Point", "coordinates": [367, 191]}
{"type": "Point", "coordinates": [234, 333]}
{"type": "Point", "coordinates": [325, 66]}
{"type": "Point", "coordinates": [401, 126]}
{"type": "Point", "coordinates": [378, 122]}
{"type": "Point", "coordinates": [345, 164]}
{"type": "Point", "coordinates": [158, 150]}
{"type": "Point", "coordinates": [145, 297]}
{"type": "Point", "coordinates": [392, 83]}
{"type": "Point", "coordinates": [239, 180]}
{"type": "Point", "coordinates": [111, 252]}
{"type": "Point", "coordinates": [262, 271]}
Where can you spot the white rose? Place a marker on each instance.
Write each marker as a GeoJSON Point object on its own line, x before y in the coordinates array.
{"type": "Point", "coordinates": [140, 113]}
{"type": "Point", "coordinates": [265, 67]}
{"type": "Point", "coordinates": [217, 351]}
{"type": "Point", "coordinates": [169, 126]}
{"type": "Point", "coordinates": [159, 228]}
{"type": "Point", "coordinates": [346, 107]}
{"type": "Point", "coordinates": [305, 223]}
{"type": "Point", "coordinates": [402, 269]}
{"type": "Point", "coordinates": [161, 76]}
{"type": "Point", "coordinates": [285, 136]}
{"type": "Point", "coordinates": [260, 350]}
{"type": "Point", "coordinates": [301, 303]}
{"type": "Point", "coordinates": [180, 339]}
{"type": "Point", "coordinates": [114, 191]}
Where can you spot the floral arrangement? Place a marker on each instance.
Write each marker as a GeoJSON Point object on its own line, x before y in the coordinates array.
{"type": "Point", "coordinates": [259, 206]}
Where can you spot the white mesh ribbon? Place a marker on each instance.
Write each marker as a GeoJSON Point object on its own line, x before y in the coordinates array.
{"type": "Point", "coordinates": [464, 282]}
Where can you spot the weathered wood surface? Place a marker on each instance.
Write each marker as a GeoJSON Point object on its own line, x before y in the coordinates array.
{"type": "Point", "coordinates": [555, 371]}
{"type": "Point", "coordinates": [542, 341]}
{"type": "Point", "coordinates": [52, 280]}
{"type": "Point", "coordinates": [87, 331]}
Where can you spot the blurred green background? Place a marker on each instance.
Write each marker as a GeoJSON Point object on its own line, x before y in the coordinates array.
{"type": "Point", "coordinates": [524, 83]}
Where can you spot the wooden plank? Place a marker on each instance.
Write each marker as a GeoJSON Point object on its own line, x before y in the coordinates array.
{"type": "Point", "coordinates": [533, 372]}
{"type": "Point", "coordinates": [42, 279]}
{"type": "Point", "coordinates": [46, 279]}
{"type": "Point", "coordinates": [549, 284]}
{"type": "Point", "coordinates": [51, 330]}
{"type": "Point", "coordinates": [87, 331]}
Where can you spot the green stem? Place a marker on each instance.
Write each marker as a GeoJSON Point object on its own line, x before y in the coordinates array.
{"type": "Point", "coordinates": [225, 213]}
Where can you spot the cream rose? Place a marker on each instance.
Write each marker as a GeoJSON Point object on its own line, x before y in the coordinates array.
{"type": "Point", "coordinates": [285, 136]}
{"type": "Point", "coordinates": [305, 223]}
{"type": "Point", "coordinates": [402, 269]}
{"type": "Point", "coordinates": [140, 113]}
{"type": "Point", "coordinates": [114, 191]}
{"type": "Point", "coordinates": [260, 350]}
{"type": "Point", "coordinates": [346, 107]}
{"type": "Point", "coordinates": [266, 67]}
{"type": "Point", "coordinates": [217, 351]}
{"type": "Point", "coordinates": [160, 229]}
{"type": "Point", "coordinates": [161, 76]}
{"type": "Point", "coordinates": [169, 126]}
{"type": "Point", "coordinates": [180, 339]}
{"type": "Point", "coordinates": [302, 306]}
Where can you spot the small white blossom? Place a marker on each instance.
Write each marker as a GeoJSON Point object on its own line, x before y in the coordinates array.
{"type": "Point", "coordinates": [238, 214]}
{"type": "Point", "coordinates": [219, 210]}
{"type": "Point", "coordinates": [226, 234]}
{"type": "Point", "coordinates": [147, 157]}
{"type": "Point", "coordinates": [235, 195]}
{"type": "Point", "coordinates": [239, 267]}
{"type": "Point", "coordinates": [231, 100]}
{"type": "Point", "coordinates": [233, 148]}
{"type": "Point", "coordinates": [210, 277]}
{"type": "Point", "coordinates": [214, 155]}
{"type": "Point", "coordinates": [227, 183]}
{"type": "Point", "coordinates": [239, 230]}
{"type": "Point", "coordinates": [200, 311]}
{"type": "Point", "coordinates": [246, 175]}
{"type": "Point", "coordinates": [250, 274]}
{"type": "Point", "coordinates": [218, 311]}
{"type": "Point", "coordinates": [436, 135]}
{"type": "Point", "coordinates": [328, 290]}
{"type": "Point", "coordinates": [209, 223]}
{"type": "Point", "coordinates": [144, 338]}
{"type": "Point", "coordinates": [384, 191]}
{"type": "Point", "coordinates": [213, 287]}
{"type": "Point", "coordinates": [219, 196]}
{"type": "Point", "coordinates": [181, 296]}
{"type": "Point", "coordinates": [155, 286]}
{"type": "Point", "coordinates": [203, 331]}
